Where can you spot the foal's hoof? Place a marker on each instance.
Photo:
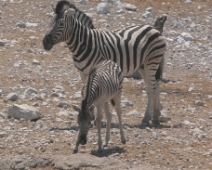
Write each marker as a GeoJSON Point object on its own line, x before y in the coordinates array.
{"type": "Point", "coordinates": [75, 151]}
{"type": "Point", "coordinates": [123, 141]}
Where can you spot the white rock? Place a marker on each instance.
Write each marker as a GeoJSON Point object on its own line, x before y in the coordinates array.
{"type": "Point", "coordinates": [30, 91]}
{"type": "Point", "coordinates": [24, 111]}
{"type": "Point", "coordinates": [177, 24]}
{"type": "Point", "coordinates": [36, 62]}
{"type": "Point", "coordinates": [29, 24]}
{"type": "Point", "coordinates": [129, 7]}
{"type": "Point", "coordinates": [20, 24]}
{"type": "Point", "coordinates": [149, 9]}
{"type": "Point", "coordinates": [83, 2]}
{"type": "Point", "coordinates": [126, 103]}
{"type": "Point", "coordinates": [187, 36]}
{"type": "Point", "coordinates": [102, 8]}
{"type": "Point", "coordinates": [12, 96]}
{"type": "Point", "coordinates": [133, 113]}
{"type": "Point", "coordinates": [188, 1]}
{"type": "Point", "coordinates": [147, 14]}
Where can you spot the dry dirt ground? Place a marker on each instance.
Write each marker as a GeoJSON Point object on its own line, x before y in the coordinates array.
{"type": "Point", "coordinates": [184, 142]}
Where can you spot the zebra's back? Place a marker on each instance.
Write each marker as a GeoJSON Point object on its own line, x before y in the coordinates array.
{"type": "Point", "coordinates": [103, 83]}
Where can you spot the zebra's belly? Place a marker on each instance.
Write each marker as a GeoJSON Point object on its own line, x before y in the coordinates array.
{"type": "Point", "coordinates": [104, 98]}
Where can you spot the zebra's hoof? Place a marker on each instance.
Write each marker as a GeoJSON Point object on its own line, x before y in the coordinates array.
{"type": "Point", "coordinates": [155, 123]}
{"type": "Point", "coordinates": [145, 123]}
{"type": "Point", "coordinates": [75, 151]}
{"type": "Point", "coordinates": [123, 141]}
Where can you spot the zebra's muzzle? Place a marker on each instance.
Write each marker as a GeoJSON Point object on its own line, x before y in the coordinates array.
{"type": "Point", "coordinates": [47, 43]}
{"type": "Point", "coordinates": [83, 139]}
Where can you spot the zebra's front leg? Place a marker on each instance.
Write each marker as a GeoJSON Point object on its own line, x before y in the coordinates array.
{"type": "Point", "coordinates": [99, 125]}
{"type": "Point", "coordinates": [117, 101]}
{"type": "Point", "coordinates": [109, 118]}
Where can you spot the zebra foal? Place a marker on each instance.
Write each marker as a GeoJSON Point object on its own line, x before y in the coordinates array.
{"type": "Point", "coordinates": [104, 83]}
{"type": "Point", "coordinates": [136, 48]}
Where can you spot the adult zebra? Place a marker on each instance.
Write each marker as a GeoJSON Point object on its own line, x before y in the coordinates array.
{"type": "Point", "coordinates": [134, 48]}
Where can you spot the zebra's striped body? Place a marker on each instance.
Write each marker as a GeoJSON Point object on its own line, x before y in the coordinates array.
{"type": "Point", "coordinates": [104, 83]}
{"type": "Point", "coordinates": [139, 48]}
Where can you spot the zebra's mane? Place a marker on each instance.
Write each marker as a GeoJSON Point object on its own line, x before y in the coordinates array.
{"type": "Point", "coordinates": [62, 6]}
{"type": "Point", "coordinates": [87, 86]}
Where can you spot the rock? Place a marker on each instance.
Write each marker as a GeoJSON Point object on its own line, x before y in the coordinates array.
{"type": "Point", "coordinates": [126, 103]}
{"type": "Point", "coordinates": [187, 36]}
{"type": "Point", "coordinates": [102, 8]}
{"type": "Point", "coordinates": [88, 160]}
{"type": "Point", "coordinates": [24, 112]}
{"type": "Point", "coordinates": [177, 24]}
{"type": "Point", "coordinates": [199, 103]}
{"type": "Point", "coordinates": [3, 135]}
{"type": "Point", "coordinates": [164, 119]}
{"type": "Point", "coordinates": [2, 43]}
{"type": "Point", "coordinates": [77, 95]}
{"type": "Point", "coordinates": [147, 14]}
{"type": "Point", "coordinates": [12, 96]}
{"type": "Point", "coordinates": [35, 62]}
{"type": "Point", "coordinates": [2, 115]}
{"type": "Point", "coordinates": [133, 113]}
{"type": "Point", "coordinates": [20, 24]}
{"type": "Point", "coordinates": [149, 9]}
{"type": "Point", "coordinates": [188, 1]}
{"type": "Point", "coordinates": [83, 2]}
{"type": "Point", "coordinates": [62, 104]}
{"type": "Point", "coordinates": [30, 91]}
{"type": "Point", "coordinates": [129, 7]}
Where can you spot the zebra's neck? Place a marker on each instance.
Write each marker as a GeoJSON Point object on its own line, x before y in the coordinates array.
{"type": "Point", "coordinates": [79, 37]}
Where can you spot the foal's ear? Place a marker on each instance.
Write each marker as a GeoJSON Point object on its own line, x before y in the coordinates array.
{"type": "Point", "coordinates": [76, 108]}
{"type": "Point", "coordinates": [69, 12]}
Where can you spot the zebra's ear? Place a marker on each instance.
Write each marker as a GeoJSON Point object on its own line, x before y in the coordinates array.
{"type": "Point", "coordinates": [76, 108]}
{"type": "Point", "coordinates": [69, 12]}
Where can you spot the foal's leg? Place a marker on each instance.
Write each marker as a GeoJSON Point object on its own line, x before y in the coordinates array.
{"type": "Point", "coordinates": [117, 100]}
{"type": "Point", "coordinates": [109, 117]}
{"type": "Point", "coordinates": [99, 125]}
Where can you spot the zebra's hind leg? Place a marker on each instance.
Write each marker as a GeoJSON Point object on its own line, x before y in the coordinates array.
{"type": "Point", "coordinates": [117, 100]}
{"type": "Point", "coordinates": [99, 125]}
{"type": "Point", "coordinates": [156, 109]}
{"type": "Point", "coordinates": [148, 113]}
{"type": "Point", "coordinates": [109, 118]}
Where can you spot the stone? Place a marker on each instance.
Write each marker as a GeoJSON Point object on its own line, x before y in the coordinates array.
{"type": "Point", "coordinates": [24, 111]}
{"type": "Point", "coordinates": [83, 2]}
{"type": "Point", "coordinates": [133, 113]}
{"type": "Point", "coordinates": [62, 104]}
{"type": "Point", "coordinates": [2, 115]}
{"type": "Point", "coordinates": [126, 103]}
{"type": "Point", "coordinates": [3, 135]}
{"type": "Point", "coordinates": [199, 103]}
{"type": "Point", "coordinates": [20, 24]}
{"type": "Point", "coordinates": [35, 62]}
{"type": "Point", "coordinates": [187, 37]}
{"type": "Point", "coordinates": [102, 8]}
{"type": "Point", "coordinates": [147, 14]}
{"type": "Point", "coordinates": [12, 96]}
{"type": "Point", "coordinates": [2, 43]}
{"type": "Point", "coordinates": [30, 91]}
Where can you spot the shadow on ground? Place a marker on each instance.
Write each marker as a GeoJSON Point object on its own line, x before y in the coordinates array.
{"type": "Point", "coordinates": [107, 152]}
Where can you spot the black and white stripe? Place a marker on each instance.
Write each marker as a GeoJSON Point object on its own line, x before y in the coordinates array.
{"type": "Point", "coordinates": [104, 83]}
{"type": "Point", "coordinates": [134, 48]}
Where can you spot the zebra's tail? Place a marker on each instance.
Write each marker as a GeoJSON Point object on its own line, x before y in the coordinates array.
{"type": "Point", "coordinates": [159, 73]}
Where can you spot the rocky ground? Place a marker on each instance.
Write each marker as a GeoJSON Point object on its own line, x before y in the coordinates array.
{"type": "Point", "coordinates": [49, 82]}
